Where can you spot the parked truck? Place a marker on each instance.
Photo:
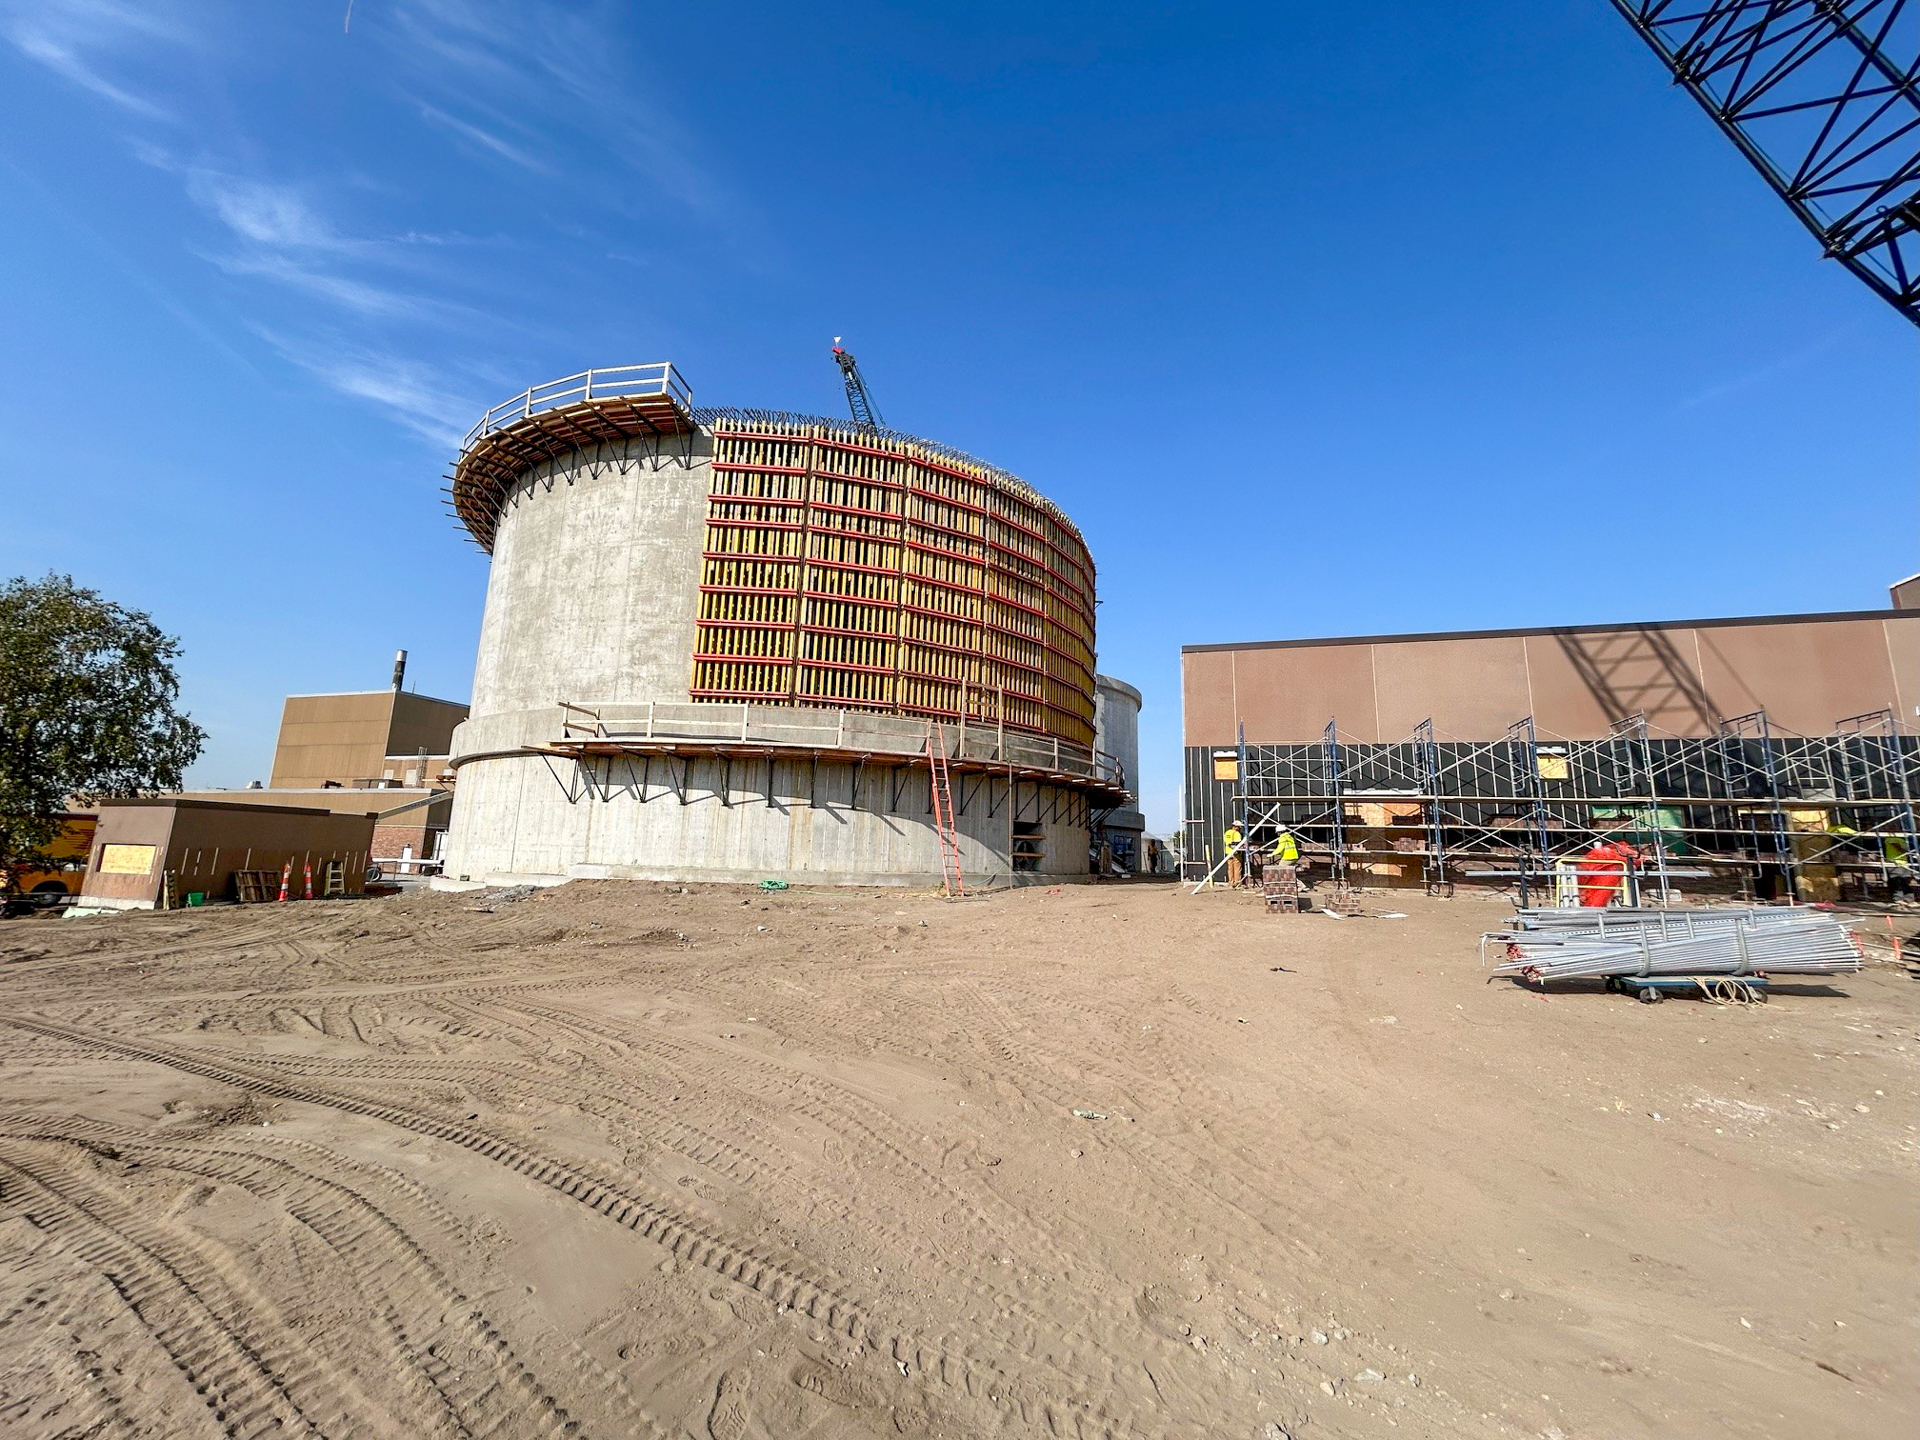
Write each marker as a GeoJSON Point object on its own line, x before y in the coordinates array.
{"type": "Point", "coordinates": [51, 879]}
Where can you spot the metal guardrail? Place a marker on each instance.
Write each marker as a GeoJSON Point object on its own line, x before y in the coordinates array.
{"type": "Point", "coordinates": [605, 384]}
{"type": "Point", "coordinates": [657, 722]}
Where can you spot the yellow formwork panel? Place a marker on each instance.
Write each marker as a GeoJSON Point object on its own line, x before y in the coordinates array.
{"type": "Point", "coordinates": [850, 569]}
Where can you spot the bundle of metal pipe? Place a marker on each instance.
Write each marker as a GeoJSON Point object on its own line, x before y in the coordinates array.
{"type": "Point", "coordinates": [1618, 919]}
{"type": "Point", "coordinates": [1566, 945]}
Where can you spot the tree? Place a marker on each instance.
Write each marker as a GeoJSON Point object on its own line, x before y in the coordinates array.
{"type": "Point", "coordinates": [87, 692]}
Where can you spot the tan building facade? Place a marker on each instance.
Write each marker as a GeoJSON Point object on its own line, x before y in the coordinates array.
{"type": "Point", "coordinates": [1806, 671]}
{"type": "Point", "coordinates": [1432, 759]}
{"type": "Point", "coordinates": [356, 737]}
{"type": "Point", "coordinates": [409, 822]}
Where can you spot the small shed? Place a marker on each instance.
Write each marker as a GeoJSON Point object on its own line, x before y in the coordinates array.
{"type": "Point", "coordinates": [201, 844]}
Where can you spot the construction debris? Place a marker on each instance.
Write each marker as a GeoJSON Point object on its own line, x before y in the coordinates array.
{"type": "Point", "coordinates": [1574, 943]}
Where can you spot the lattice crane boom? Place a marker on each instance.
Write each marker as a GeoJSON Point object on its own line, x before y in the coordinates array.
{"type": "Point", "coordinates": [1823, 98]}
{"type": "Point", "coordinates": [859, 399]}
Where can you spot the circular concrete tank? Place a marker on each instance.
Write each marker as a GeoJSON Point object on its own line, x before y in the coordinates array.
{"type": "Point", "coordinates": [1117, 735]}
{"type": "Point", "coordinates": [719, 644]}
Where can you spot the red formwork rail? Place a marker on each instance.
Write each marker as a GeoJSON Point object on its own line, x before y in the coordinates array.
{"type": "Point", "coordinates": [911, 527]}
{"type": "Point", "coordinates": [1068, 593]}
{"type": "Point", "coordinates": [721, 658]}
{"type": "Point", "coordinates": [1036, 698]}
{"type": "Point", "coordinates": [1081, 561]}
{"type": "Point", "coordinates": [990, 596]}
{"type": "Point", "coordinates": [955, 472]}
{"type": "Point", "coordinates": [1037, 701]}
{"type": "Point", "coordinates": [790, 592]}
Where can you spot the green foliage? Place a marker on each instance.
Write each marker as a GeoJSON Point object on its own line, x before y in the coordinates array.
{"type": "Point", "coordinates": [87, 692]}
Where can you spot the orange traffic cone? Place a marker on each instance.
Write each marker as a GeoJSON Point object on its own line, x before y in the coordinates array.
{"type": "Point", "coordinates": [286, 878]}
{"type": "Point", "coordinates": [307, 866]}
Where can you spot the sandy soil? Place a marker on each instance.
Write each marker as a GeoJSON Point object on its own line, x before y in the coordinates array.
{"type": "Point", "coordinates": [621, 1160]}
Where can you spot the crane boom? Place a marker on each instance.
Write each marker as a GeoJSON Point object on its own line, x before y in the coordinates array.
{"type": "Point", "coordinates": [865, 413]}
{"type": "Point", "coordinates": [1823, 98]}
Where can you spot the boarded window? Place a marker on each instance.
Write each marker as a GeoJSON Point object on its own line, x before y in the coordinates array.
{"type": "Point", "coordinates": [126, 859]}
{"type": "Point", "coordinates": [1226, 767]}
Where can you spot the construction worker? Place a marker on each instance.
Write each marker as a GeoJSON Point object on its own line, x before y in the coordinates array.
{"type": "Point", "coordinates": [1286, 850]}
{"type": "Point", "coordinates": [1893, 848]}
{"type": "Point", "coordinates": [1602, 872]}
{"type": "Point", "coordinates": [1234, 841]}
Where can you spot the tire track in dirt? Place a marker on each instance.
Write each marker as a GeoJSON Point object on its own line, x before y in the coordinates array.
{"type": "Point", "coordinates": [425, 1312]}
{"type": "Point", "coordinates": [657, 1122]}
{"type": "Point", "coordinates": [1017, 1233]}
{"type": "Point", "coordinates": [235, 1366]}
{"type": "Point", "coordinates": [787, 1284]}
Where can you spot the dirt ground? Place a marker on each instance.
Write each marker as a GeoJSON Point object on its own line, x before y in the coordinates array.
{"type": "Point", "coordinates": [624, 1159]}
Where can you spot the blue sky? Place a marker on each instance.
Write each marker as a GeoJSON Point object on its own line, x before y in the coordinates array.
{"type": "Point", "coordinates": [1320, 320]}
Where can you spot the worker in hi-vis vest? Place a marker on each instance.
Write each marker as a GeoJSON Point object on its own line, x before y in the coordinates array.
{"type": "Point", "coordinates": [1234, 841]}
{"type": "Point", "coordinates": [1286, 850]}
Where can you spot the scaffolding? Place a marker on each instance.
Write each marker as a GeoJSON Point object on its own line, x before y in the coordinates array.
{"type": "Point", "coordinates": [853, 569]}
{"type": "Point", "coordinates": [1750, 807]}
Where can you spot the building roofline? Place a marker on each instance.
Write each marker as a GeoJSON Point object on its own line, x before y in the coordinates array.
{"type": "Point", "coordinates": [1114, 682]}
{"type": "Point", "coordinates": [1611, 627]}
{"type": "Point", "coordinates": [185, 802]}
{"type": "Point", "coordinates": [204, 791]}
{"type": "Point", "coordinates": [342, 694]}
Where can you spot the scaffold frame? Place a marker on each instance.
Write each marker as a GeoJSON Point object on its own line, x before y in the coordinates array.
{"type": "Point", "coordinates": [1751, 806]}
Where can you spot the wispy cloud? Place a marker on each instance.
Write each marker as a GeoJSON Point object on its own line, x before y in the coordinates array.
{"type": "Point", "coordinates": [486, 139]}
{"type": "Point", "coordinates": [262, 212]}
{"type": "Point", "coordinates": [1735, 383]}
{"type": "Point", "coordinates": [335, 267]}
{"type": "Point", "coordinates": [476, 53]}
{"type": "Point", "coordinates": [76, 38]}
{"type": "Point", "coordinates": [277, 233]}
{"type": "Point", "coordinates": [417, 395]}
{"type": "Point", "coordinates": [358, 295]}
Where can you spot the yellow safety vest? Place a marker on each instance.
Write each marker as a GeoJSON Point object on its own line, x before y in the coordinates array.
{"type": "Point", "coordinates": [1286, 849]}
{"type": "Point", "coordinates": [1233, 837]}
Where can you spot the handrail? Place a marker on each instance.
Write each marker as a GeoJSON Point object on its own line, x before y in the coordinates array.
{"type": "Point", "coordinates": [653, 722]}
{"type": "Point", "coordinates": [606, 383]}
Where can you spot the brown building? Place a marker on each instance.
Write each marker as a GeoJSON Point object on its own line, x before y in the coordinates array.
{"type": "Point", "coordinates": [1771, 751]}
{"type": "Point", "coordinates": [1685, 676]}
{"type": "Point", "coordinates": [382, 753]}
{"type": "Point", "coordinates": [138, 845]}
{"type": "Point", "coordinates": [409, 821]}
{"type": "Point", "coordinates": [364, 736]}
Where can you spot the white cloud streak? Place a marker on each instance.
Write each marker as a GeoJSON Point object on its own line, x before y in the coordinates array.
{"type": "Point", "coordinates": [486, 139]}
{"type": "Point", "coordinates": [551, 67]}
{"type": "Point", "coordinates": [69, 37]}
{"type": "Point", "coordinates": [531, 84]}
{"type": "Point", "coordinates": [415, 395]}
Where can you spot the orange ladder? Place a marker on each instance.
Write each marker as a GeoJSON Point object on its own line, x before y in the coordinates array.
{"type": "Point", "coordinates": [943, 822]}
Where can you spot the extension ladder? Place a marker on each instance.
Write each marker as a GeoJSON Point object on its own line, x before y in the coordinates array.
{"type": "Point", "coordinates": [943, 821]}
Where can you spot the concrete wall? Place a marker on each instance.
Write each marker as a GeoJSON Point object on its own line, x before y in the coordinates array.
{"type": "Point", "coordinates": [541, 818]}
{"type": "Point", "coordinates": [1116, 721]}
{"type": "Point", "coordinates": [595, 584]}
{"type": "Point", "coordinates": [1806, 671]}
{"type": "Point", "coordinates": [593, 598]}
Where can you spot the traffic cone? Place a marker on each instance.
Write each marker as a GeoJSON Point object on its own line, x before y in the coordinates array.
{"type": "Point", "coordinates": [286, 878]}
{"type": "Point", "coordinates": [307, 866]}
